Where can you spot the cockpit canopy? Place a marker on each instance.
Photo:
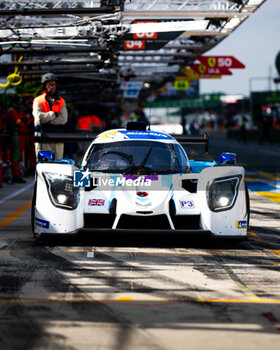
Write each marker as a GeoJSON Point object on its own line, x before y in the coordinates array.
{"type": "Point", "coordinates": [138, 157]}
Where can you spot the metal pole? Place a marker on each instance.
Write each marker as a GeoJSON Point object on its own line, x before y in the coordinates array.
{"type": "Point", "coordinates": [58, 11]}
{"type": "Point", "coordinates": [50, 51]}
{"type": "Point", "coordinates": [49, 62]}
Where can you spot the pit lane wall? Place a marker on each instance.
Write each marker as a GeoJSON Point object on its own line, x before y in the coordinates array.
{"type": "Point", "coordinates": [253, 135]}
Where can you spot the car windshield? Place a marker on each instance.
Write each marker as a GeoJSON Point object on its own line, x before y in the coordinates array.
{"type": "Point", "coordinates": [138, 157]}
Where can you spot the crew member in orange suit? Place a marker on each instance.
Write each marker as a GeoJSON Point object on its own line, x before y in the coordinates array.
{"type": "Point", "coordinates": [50, 113]}
{"type": "Point", "coordinates": [89, 123]}
{"type": "Point", "coordinates": [86, 125]}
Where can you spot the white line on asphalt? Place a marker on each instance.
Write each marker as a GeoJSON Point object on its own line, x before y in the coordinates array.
{"type": "Point", "coordinates": [17, 192]}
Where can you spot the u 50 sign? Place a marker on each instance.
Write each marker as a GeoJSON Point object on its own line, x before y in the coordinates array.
{"type": "Point", "coordinates": [220, 62]}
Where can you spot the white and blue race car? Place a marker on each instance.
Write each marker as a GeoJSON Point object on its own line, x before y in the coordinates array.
{"type": "Point", "coordinates": [138, 180]}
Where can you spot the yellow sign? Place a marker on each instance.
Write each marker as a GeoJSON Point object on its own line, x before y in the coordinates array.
{"type": "Point", "coordinates": [181, 84]}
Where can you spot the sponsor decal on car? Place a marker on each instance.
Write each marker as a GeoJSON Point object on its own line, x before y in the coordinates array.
{"type": "Point", "coordinates": [189, 204]}
{"type": "Point", "coordinates": [146, 135]}
{"type": "Point", "coordinates": [134, 135]}
{"type": "Point", "coordinates": [142, 194]}
{"type": "Point", "coordinates": [241, 224]}
{"type": "Point", "coordinates": [122, 181]}
{"type": "Point", "coordinates": [111, 135]}
{"type": "Point", "coordinates": [81, 178]}
{"type": "Point", "coordinates": [96, 202]}
{"type": "Point", "coordinates": [42, 223]}
{"type": "Point", "coordinates": [145, 178]}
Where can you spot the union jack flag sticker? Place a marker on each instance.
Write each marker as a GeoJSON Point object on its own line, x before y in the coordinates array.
{"type": "Point", "coordinates": [96, 202]}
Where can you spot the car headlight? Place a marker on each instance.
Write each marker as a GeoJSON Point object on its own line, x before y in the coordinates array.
{"type": "Point", "coordinates": [222, 192]}
{"type": "Point", "coordinates": [61, 191]}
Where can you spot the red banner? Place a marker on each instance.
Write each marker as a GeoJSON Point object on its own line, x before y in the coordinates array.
{"type": "Point", "coordinates": [228, 62]}
{"type": "Point", "coordinates": [151, 35]}
{"type": "Point", "coordinates": [205, 70]}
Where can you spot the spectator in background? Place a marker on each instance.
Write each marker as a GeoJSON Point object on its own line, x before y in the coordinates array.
{"type": "Point", "coordinates": [183, 123]}
{"type": "Point", "coordinates": [17, 130]}
{"type": "Point", "coordinates": [71, 147]}
{"type": "Point", "coordinates": [141, 116]}
{"type": "Point", "coordinates": [3, 150]}
{"type": "Point", "coordinates": [87, 124]}
{"type": "Point", "coordinates": [243, 130]}
{"type": "Point", "coordinates": [266, 125]}
{"type": "Point", "coordinates": [50, 113]}
{"type": "Point", "coordinates": [112, 121]}
{"type": "Point", "coordinates": [30, 155]}
{"type": "Point", "coordinates": [194, 127]}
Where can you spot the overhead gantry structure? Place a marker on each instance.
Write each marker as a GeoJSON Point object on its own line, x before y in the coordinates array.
{"type": "Point", "coordinates": [107, 41]}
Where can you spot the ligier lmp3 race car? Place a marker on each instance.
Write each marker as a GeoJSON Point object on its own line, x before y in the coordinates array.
{"type": "Point", "coordinates": [138, 180]}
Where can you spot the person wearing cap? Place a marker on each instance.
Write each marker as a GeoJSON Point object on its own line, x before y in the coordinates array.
{"type": "Point", "coordinates": [50, 114]}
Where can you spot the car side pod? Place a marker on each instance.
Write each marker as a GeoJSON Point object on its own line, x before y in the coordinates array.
{"type": "Point", "coordinates": [45, 156]}
{"type": "Point", "coordinates": [227, 158]}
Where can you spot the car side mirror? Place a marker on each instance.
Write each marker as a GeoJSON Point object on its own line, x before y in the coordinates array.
{"type": "Point", "coordinates": [45, 156]}
{"type": "Point", "coordinates": [227, 158]}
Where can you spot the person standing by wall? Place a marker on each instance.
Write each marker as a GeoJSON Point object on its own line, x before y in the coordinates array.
{"type": "Point", "coordinates": [17, 130]}
{"type": "Point", "coordinates": [243, 129]}
{"type": "Point", "coordinates": [50, 113]}
{"type": "Point", "coordinates": [266, 125]}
